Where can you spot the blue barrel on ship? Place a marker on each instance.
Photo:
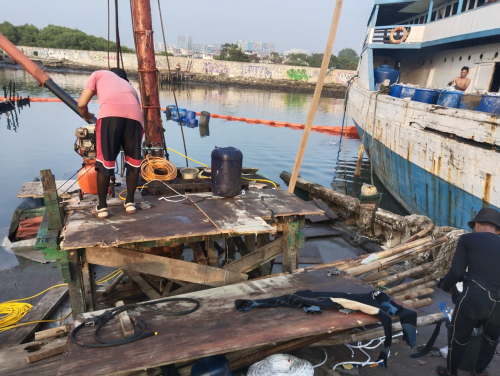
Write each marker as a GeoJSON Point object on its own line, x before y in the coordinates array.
{"type": "Point", "coordinates": [430, 96]}
{"type": "Point", "coordinates": [182, 112]}
{"type": "Point", "coordinates": [407, 92]}
{"type": "Point", "coordinates": [191, 114]}
{"type": "Point", "coordinates": [490, 103]}
{"type": "Point", "coordinates": [385, 72]}
{"type": "Point", "coordinates": [227, 165]}
{"type": "Point", "coordinates": [396, 91]}
{"type": "Point", "coordinates": [449, 98]}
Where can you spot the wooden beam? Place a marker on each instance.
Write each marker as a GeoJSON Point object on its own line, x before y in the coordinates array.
{"type": "Point", "coordinates": [143, 285]}
{"type": "Point", "coordinates": [242, 247]}
{"type": "Point", "coordinates": [198, 254]}
{"type": "Point", "coordinates": [41, 311]}
{"type": "Point", "coordinates": [162, 266]}
{"type": "Point", "coordinates": [54, 332]}
{"type": "Point", "coordinates": [53, 349]}
{"type": "Point", "coordinates": [257, 258]}
{"type": "Point", "coordinates": [125, 322]}
{"type": "Point", "coordinates": [211, 252]}
{"type": "Point", "coordinates": [328, 212]}
{"type": "Point", "coordinates": [54, 211]}
{"type": "Point", "coordinates": [317, 94]}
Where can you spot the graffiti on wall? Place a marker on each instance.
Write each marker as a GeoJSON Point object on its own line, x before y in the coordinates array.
{"type": "Point", "coordinates": [297, 74]}
{"type": "Point", "coordinates": [343, 77]}
{"type": "Point", "coordinates": [256, 71]}
{"type": "Point", "coordinates": [212, 67]}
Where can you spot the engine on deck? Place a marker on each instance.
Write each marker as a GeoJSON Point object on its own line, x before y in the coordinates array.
{"type": "Point", "coordinates": [85, 143]}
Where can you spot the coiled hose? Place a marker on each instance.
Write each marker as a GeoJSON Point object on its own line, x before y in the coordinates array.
{"type": "Point", "coordinates": [104, 318]}
{"type": "Point", "coordinates": [156, 168]}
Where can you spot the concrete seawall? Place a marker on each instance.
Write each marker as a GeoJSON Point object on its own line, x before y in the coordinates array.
{"type": "Point", "coordinates": [232, 69]}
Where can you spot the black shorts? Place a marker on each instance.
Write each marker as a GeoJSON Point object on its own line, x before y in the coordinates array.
{"type": "Point", "coordinates": [114, 134]}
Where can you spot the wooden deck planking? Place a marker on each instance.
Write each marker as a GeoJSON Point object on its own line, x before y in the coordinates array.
{"type": "Point", "coordinates": [35, 189]}
{"type": "Point", "coordinates": [307, 255]}
{"type": "Point", "coordinates": [167, 220]}
{"type": "Point", "coordinates": [217, 327]}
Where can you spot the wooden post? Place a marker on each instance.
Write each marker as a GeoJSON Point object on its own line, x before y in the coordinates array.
{"type": "Point", "coordinates": [75, 286]}
{"type": "Point", "coordinates": [54, 211]}
{"type": "Point", "coordinates": [211, 252]}
{"type": "Point", "coordinates": [291, 234]}
{"type": "Point", "coordinates": [316, 96]}
{"type": "Point", "coordinates": [89, 285]}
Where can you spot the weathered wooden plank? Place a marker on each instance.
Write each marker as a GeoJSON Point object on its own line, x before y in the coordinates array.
{"type": "Point", "coordinates": [55, 348]}
{"type": "Point", "coordinates": [60, 331]}
{"type": "Point", "coordinates": [144, 286]}
{"type": "Point", "coordinates": [242, 247]}
{"type": "Point", "coordinates": [162, 266]}
{"type": "Point", "coordinates": [256, 258]}
{"type": "Point", "coordinates": [45, 306]}
{"type": "Point", "coordinates": [13, 361]}
{"type": "Point", "coordinates": [199, 256]}
{"type": "Point", "coordinates": [125, 323]}
{"type": "Point", "coordinates": [166, 221]}
{"type": "Point", "coordinates": [35, 189]}
{"type": "Point", "coordinates": [328, 212]}
{"type": "Point", "coordinates": [320, 231]}
{"type": "Point", "coordinates": [183, 338]}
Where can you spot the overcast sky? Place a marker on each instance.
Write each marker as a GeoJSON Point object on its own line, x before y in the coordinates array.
{"type": "Point", "coordinates": [287, 23]}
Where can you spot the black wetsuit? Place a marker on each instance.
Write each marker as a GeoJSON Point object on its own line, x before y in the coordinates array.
{"type": "Point", "coordinates": [374, 303]}
{"type": "Point", "coordinates": [477, 264]}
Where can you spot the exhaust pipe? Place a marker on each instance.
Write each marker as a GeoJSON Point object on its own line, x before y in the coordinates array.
{"type": "Point", "coordinates": [42, 77]}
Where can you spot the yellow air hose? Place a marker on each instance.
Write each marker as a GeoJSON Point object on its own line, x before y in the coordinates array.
{"type": "Point", "coordinates": [12, 311]}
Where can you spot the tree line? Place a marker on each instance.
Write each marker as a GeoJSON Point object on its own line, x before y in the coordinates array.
{"type": "Point", "coordinates": [346, 59]}
{"type": "Point", "coordinates": [53, 36]}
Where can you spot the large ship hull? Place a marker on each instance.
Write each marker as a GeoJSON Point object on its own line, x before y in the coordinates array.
{"type": "Point", "coordinates": [430, 172]}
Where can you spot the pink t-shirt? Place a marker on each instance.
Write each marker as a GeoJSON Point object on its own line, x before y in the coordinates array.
{"type": "Point", "coordinates": [117, 96]}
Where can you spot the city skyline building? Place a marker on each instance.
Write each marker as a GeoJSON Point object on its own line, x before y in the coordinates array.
{"type": "Point", "coordinates": [295, 51]}
{"type": "Point", "coordinates": [185, 41]}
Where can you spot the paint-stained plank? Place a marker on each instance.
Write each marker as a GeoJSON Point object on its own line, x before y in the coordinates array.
{"type": "Point", "coordinates": [182, 338]}
{"type": "Point", "coordinates": [162, 266]}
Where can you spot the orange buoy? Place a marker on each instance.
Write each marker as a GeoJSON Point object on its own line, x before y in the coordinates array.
{"type": "Point", "coordinates": [87, 179]}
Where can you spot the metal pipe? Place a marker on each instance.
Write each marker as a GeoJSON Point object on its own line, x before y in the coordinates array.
{"type": "Point", "coordinates": [112, 286]}
{"type": "Point", "coordinates": [42, 77]}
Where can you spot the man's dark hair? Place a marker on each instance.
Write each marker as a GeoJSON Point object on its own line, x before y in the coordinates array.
{"type": "Point", "coordinates": [465, 68]}
{"type": "Point", "coordinates": [120, 73]}
{"type": "Point", "coordinates": [497, 228]}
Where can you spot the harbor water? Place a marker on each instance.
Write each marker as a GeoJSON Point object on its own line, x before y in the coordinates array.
{"type": "Point", "coordinates": [41, 136]}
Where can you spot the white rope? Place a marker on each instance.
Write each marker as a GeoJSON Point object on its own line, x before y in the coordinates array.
{"type": "Point", "coordinates": [323, 362]}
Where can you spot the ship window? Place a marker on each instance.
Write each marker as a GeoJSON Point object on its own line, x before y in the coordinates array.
{"type": "Point", "coordinates": [448, 11]}
{"type": "Point", "coordinates": [469, 57]}
{"type": "Point", "coordinates": [471, 4]}
{"type": "Point", "coordinates": [433, 16]}
{"type": "Point", "coordinates": [460, 58]}
{"type": "Point", "coordinates": [445, 60]}
{"type": "Point", "coordinates": [464, 6]}
{"type": "Point", "coordinates": [496, 54]}
{"type": "Point", "coordinates": [422, 20]}
{"type": "Point", "coordinates": [480, 3]}
{"type": "Point", "coordinates": [481, 56]}
{"type": "Point", "coordinates": [455, 9]}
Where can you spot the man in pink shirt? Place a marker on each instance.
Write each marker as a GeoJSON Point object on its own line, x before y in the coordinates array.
{"type": "Point", "coordinates": [120, 125]}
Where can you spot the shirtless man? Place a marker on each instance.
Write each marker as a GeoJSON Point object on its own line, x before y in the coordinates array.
{"type": "Point", "coordinates": [462, 82]}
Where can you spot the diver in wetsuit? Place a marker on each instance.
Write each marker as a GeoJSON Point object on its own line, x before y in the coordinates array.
{"type": "Point", "coordinates": [477, 264]}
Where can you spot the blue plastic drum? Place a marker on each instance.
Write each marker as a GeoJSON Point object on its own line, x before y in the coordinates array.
{"type": "Point", "coordinates": [182, 112]}
{"type": "Point", "coordinates": [191, 114]}
{"type": "Point", "coordinates": [426, 96]}
{"type": "Point", "coordinates": [396, 90]}
{"type": "Point", "coordinates": [449, 98]}
{"type": "Point", "coordinates": [407, 92]}
{"type": "Point", "coordinates": [490, 103]}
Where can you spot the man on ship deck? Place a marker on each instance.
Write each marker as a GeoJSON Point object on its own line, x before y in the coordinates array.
{"type": "Point", "coordinates": [476, 263]}
{"type": "Point", "coordinates": [461, 82]}
{"type": "Point", "coordinates": [120, 125]}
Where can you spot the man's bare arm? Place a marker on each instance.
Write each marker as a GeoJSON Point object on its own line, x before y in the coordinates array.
{"type": "Point", "coordinates": [85, 98]}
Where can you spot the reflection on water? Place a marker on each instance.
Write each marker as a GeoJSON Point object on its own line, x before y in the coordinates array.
{"type": "Point", "coordinates": [46, 135]}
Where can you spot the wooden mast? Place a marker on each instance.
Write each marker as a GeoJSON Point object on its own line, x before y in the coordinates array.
{"type": "Point", "coordinates": [143, 37]}
{"type": "Point", "coordinates": [317, 94]}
